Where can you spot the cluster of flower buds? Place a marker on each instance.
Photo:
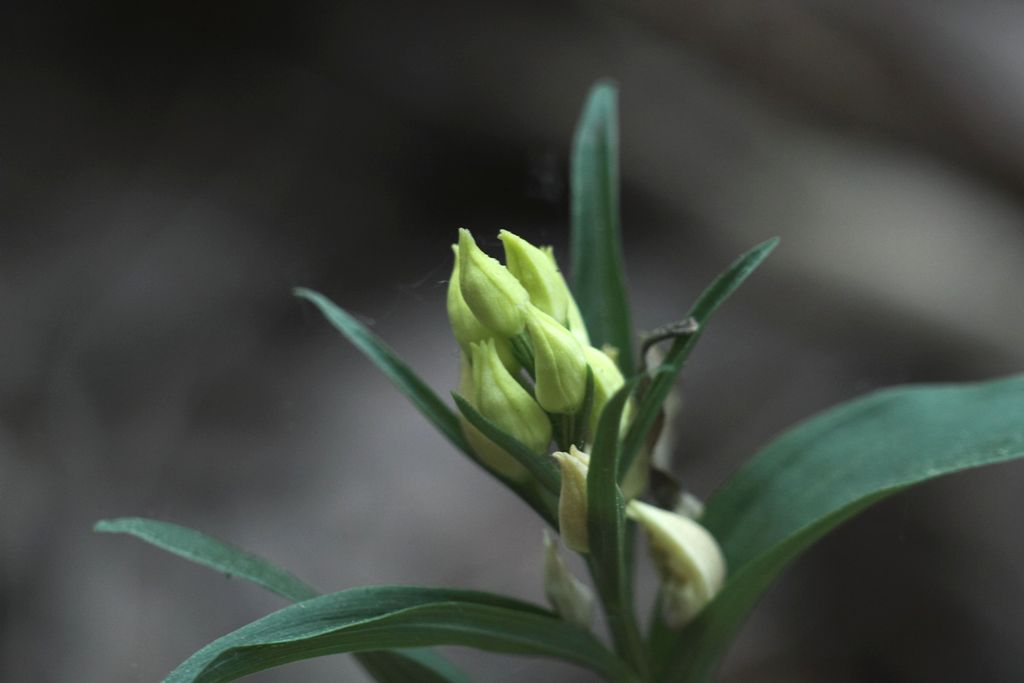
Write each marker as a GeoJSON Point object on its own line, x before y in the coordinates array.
{"type": "Point", "coordinates": [526, 356]}
{"type": "Point", "coordinates": [526, 364]}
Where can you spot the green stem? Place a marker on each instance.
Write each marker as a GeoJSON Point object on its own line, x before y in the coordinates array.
{"type": "Point", "coordinates": [617, 603]}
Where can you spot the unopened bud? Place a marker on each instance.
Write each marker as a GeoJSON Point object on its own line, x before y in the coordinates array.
{"type": "Point", "coordinates": [503, 401]}
{"type": "Point", "coordinates": [538, 274]}
{"type": "Point", "coordinates": [466, 327]}
{"type": "Point", "coordinates": [572, 599]}
{"type": "Point", "coordinates": [572, 500]}
{"type": "Point", "coordinates": [573, 317]}
{"type": "Point", "coordinates": [607, 380]}
{"type": "Point", "coordinates": [492, 293]}
{"type": "Point", "coordinates": [489, 452]}
{"type": "Point", "coordinates": [560, 370]}
{"type": "Point", "coordinates": [687, 557]}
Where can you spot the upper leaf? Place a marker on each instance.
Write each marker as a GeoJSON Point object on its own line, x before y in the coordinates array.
{"type": "Point", "coordinates": [827, 469]}
{"type": "Point", "coordinates": [606, 525]}
{"type": "Point", "coordinates": [707, 303]}
{"type": "Point", "coordinates": [421, 395]}
{"type": "Point", "coordinates": [599, 283]}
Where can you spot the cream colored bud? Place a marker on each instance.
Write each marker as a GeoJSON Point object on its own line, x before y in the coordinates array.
{"type": "Point", "coordinates": [560, 369]}
{"type": "Point", "coordinates": [503, 401]}
{"type": "Point", "coordinates": [687, 557]}
{"type": "Point", "coordinates": [492, 293]}
{"type": "Point", "coordinates": [489, 452]}
{"type": "Point", "coordinates": [634, 481]}
{"type": "Point", "coordinates": [572, 500]}
{"type": "Point", "coordinates": [538, 273]}
{"type": "Point", "coordinates": [465, 326]}
{"type": "Point", "coordinates": [572, 599]}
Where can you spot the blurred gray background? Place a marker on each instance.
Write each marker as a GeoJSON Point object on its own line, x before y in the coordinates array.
{"type": "Point", "coordinates": [168, 171]}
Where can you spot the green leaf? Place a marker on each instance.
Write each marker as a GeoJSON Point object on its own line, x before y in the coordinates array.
{"type": "Point", "coordinates": [373, 618]}
{"type": "Point", "coordinates": [824, 471]}
{"type": "Point", "coordinates": [599, 283]}
{"type": "Point", "coordinates": [606, 530]}
{"type": "Point", "coordinates": [422, 396]}
{"type": "Point", "coordinates": [708, 302]}
{"type": "Point", "coordinates": [542, 467]}
{"type": "Point", "coordinates": [226, 559]}
{"type": "Point", "coordinates": [209, 552]}
{"type": "Point", "coordinates": [416, 664]}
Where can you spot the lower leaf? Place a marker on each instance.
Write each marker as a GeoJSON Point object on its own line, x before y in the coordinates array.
{"type": "Point", "coordinates": [374, 618]}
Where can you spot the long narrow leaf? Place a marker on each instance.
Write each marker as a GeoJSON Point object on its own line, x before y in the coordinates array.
{"type": "Point", "coordinates": [606, 530]}
{"type": "Point", "coordinates": [210, 552]}
{"type": "Point", "coordinates": [416, 664]}
{"type": "Point", "coordinates": [822, 472]}
{"type": "Point", "coordinates": [376, 618]}
{"type": "Point", "coordinates": [708, 302]}
{"type": "Point", "coordinates": [386, 666]}
{"type": "Point", "coordinates": [542, 467]}
{"type": "Point", "coordinates": [599, 282]}
{"type": "Point", "coordinates": [422, 396]}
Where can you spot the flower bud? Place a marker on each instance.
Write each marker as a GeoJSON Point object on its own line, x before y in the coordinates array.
{"type": "Point", "coordinates": [465, 326]}
{"type": "Point", "coordinates": [538, 273]}
{"type": "Point", "coordinates": [492, 293]}
{"type": "Point", "coordinates": [572, 599]}
{"type": "Point", "coordinates": [687, 557]}
{"type": "Point", "coordinates": [607, 380]}
{"type": "Point", "coordinates": [503, 401]}
{"type": "Point", "coordinates": [489, 452]}
{"type": "Point", "coordinates": [560, 369]}
{"type": "Point", "coordinates": [572, 500]}
{"type": "Point", "coordinates": [573, 317]}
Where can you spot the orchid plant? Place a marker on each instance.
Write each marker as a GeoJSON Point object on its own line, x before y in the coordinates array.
{"type": "Point", "coordinates": [556, 402]}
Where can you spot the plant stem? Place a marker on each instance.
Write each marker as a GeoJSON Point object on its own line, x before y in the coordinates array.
{"type": "Point", "coordinates": [617, 605]}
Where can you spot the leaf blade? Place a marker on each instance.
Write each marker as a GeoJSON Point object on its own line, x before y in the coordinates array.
{"type": "Point", "coordinates": [208, 551]}
{"type": "Point", "coordinates": [393, 367]}
{"type": "Point", "coordinates": [709, 301]}
{"type": "Point", "coordinates": [412, 664]}
{"type": "Point", "coordinates": [541, 467]}
{"type": "Point", "coordinates": [606, 530]}
{"type": "Point", "coordinates": [386, 666]}
{"type": "Point", "coordinates": [371, 618]}
{"type": "Point", "coordinates": [599, 282]}
{"type": "Point", "coordinates": [829, 468]}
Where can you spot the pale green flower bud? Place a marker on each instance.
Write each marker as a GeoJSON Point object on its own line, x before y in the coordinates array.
{"type": "Point", "coordinates": [572, 500]}
{"type": "Point", "coordinates": [489, 452]}
{"type": "Point", "coordinates": [573, 317]}
{"type": "Point", "coordinates": [572, 599]}
{"type": "Point", "coordinates": [465, 326]}
{"type": "Point", "coordinates": [560, 370]}
{"type": "Point", "coordinates": [503, 401]}
{"type": "Point", "coordinates": [607, 380]}
{"type": "Point", "coordinates": [492, 293]}
{"type": "Point", "coordinates": [538, 273]}
{"type": "Point", "coordinates": [687, 557]}
{"type": "Point", "coordinates": [574, 321]}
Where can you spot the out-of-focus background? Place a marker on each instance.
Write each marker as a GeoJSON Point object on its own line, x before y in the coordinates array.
{"type": "Point", "coordinates": [169, 171]}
